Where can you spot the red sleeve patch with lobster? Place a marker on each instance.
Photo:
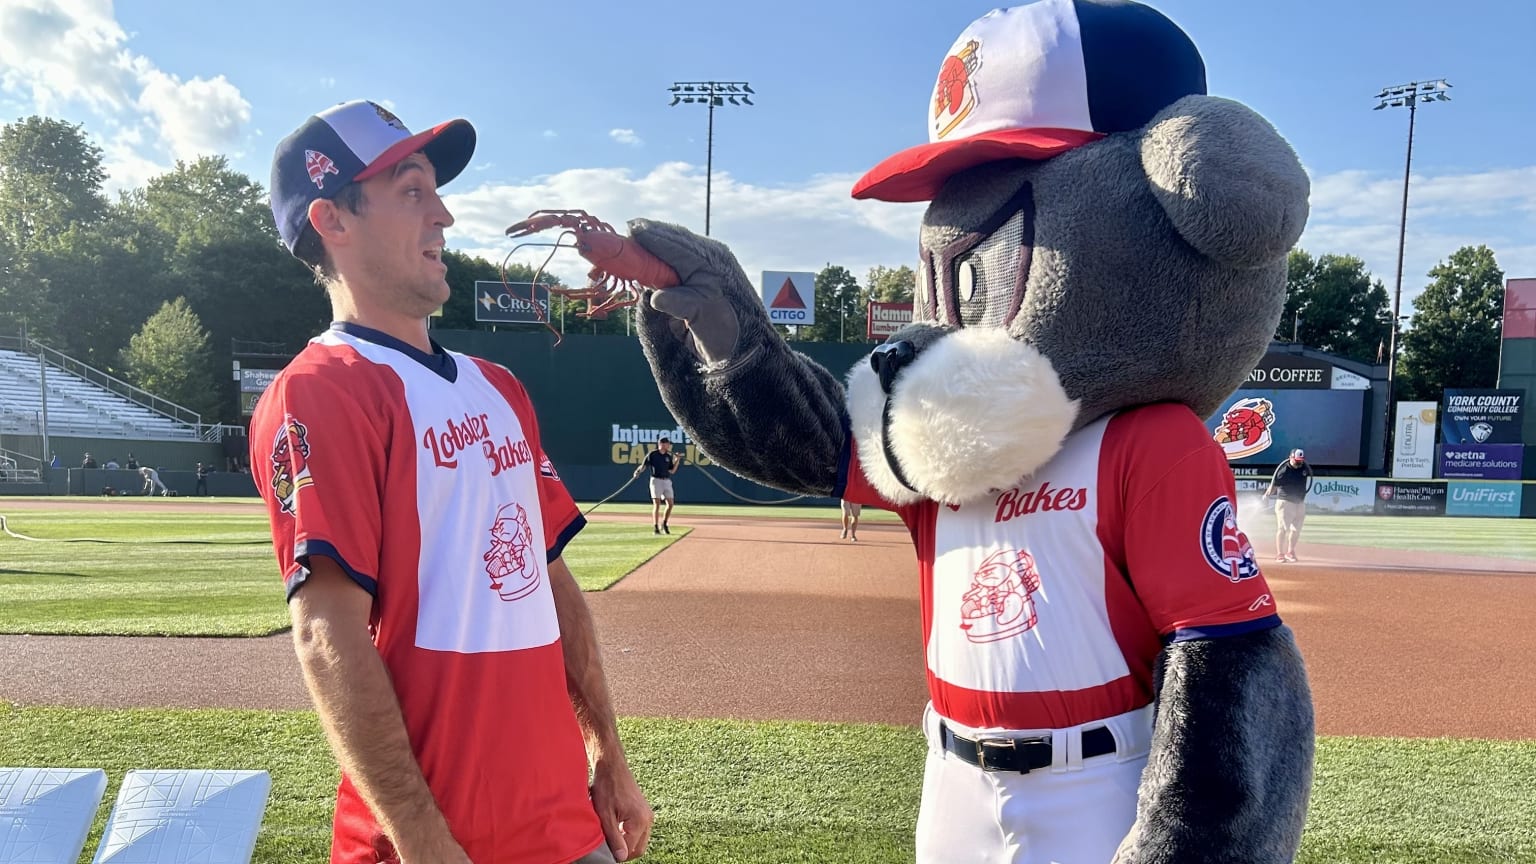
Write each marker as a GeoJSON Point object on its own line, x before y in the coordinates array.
{"type": "Point", "coordinates": [1190, 562]}
{"type": "Point", "coordinates": [318, 462]}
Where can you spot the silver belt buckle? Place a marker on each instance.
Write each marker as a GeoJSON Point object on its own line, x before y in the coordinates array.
{"type": "Point", "coordinates": [981, 750]}
{"type": "Point", "coordinates": [1011, 744]}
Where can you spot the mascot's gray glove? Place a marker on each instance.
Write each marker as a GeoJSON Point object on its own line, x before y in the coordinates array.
{"type": "Point", "coordinates": [718, 362]}
{"type": "Point", "coordinates": [713, 298]}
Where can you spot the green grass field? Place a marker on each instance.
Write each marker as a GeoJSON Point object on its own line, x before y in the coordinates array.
{"type": "Point", "coordinates": [729, 792]}
{"type": "Point", "coordinates": [1499, 538]}
{"type": "Point", "coordinates": [178, 574]}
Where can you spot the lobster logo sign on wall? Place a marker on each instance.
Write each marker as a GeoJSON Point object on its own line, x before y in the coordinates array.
{"type": "Point", "coordinates": [1246, 428]}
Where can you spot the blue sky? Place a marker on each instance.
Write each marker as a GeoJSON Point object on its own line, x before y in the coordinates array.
{"type": "Point", "coordinates": [571, 106]}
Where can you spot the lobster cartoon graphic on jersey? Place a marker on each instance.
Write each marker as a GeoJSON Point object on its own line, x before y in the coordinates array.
{"type": "Point", "coordinates": [290, 463]}
{"type": "Point", "coordinates": [510, 562]}
{"type": "Point", "coordinates": [1000, 602]}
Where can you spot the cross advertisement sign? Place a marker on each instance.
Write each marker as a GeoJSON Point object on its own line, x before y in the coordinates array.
{"type": "Point", "coordinates": [510, 302]}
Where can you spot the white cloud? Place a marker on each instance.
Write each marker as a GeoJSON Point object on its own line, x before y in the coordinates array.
{"type": "Point", "coordinates": [328, 82]}
{"type": "Point", "coordinates": [550, 133]}
{"type": "Point", "coordinates": [58, 54]}
{"type": "Point", "coordinates": [798, 226]}
{"type": "Point", "coordinates": [195, 117]}
{"type": "Point", "coordinates": [625, 136]}
{"type": "Point", "coordinates": [63, 52]}
{"type": "Point", "coordinates": [1358, 213]}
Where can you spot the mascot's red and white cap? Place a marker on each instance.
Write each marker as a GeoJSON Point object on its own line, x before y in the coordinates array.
{"type": "Point", "coordinates": [348, 143]}
{"type": "Point", "coordinates": [1033, 81]}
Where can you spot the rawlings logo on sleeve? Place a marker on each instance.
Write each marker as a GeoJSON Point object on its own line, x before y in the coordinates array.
{"type": "Point", "coordinates": [1225, 546]}
{"type": "Point", "coordinates": [546, 467]}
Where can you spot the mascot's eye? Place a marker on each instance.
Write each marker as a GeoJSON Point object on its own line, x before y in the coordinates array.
{"type": "Point", "coordinates": [966, 282]}
{"type": "Point", "coordinates": [984, 277]}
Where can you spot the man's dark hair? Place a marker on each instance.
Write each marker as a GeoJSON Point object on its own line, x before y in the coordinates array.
{"type": "Point", "coordinates": [311, 249]}
{"type": "Point", "coordinates": [664, 440]}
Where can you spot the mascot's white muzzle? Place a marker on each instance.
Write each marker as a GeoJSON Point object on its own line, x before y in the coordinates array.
{"type": "Point", "coordinates": [975, 410]}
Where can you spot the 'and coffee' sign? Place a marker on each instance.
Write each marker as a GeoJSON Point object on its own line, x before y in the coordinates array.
{"type": "Point", "coordinates": [1286, 371]}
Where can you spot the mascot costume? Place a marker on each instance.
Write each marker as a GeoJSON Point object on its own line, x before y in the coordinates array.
{"type": "Point", "coordinates": [1102, 262]}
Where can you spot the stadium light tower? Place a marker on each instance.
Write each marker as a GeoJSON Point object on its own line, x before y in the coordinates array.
{"type": "Point", "coordinates": [1400, 96]}
{"type": "Point", "coordinates": [711, 94]}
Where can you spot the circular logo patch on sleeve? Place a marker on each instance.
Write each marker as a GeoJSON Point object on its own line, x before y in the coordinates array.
{"type": "Point", "coordinates": [1226, 548]}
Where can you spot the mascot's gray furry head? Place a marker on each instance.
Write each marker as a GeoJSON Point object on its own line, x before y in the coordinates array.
{"type": "Point", "coordinates": [1101, 234]}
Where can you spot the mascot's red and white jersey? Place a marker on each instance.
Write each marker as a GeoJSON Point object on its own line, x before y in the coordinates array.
{"type": "Point", "coordinates": [424, 476]}
{"type": "Point", "coordinates": [1046, 605]}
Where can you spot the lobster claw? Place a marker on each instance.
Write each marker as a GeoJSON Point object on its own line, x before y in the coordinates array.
{"type": "Point", "coordinates": [542, 220]}
{"type": "Point", "coordinates": [579, 221]}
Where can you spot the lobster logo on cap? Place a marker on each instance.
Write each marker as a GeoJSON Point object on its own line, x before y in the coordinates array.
{"type": "Point", "coordinates": [954, 96]}
{"type": "Point", "coordinates": [318, 165]}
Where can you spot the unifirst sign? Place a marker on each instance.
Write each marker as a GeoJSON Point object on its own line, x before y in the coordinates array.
{"type": "Point", "coordinates": [790, 297]}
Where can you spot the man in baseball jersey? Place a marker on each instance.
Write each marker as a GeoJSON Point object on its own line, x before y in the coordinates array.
{"type": "Point", "coordinates": [419, 527]}
{"type": "Point", "coordinates": [1289, 486]}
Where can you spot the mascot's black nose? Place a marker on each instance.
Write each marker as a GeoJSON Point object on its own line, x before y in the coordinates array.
{"type": "Point", "coordinates": [889, 359]}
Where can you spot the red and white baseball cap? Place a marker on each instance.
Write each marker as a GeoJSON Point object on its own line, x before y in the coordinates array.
{"type": "Point", "coordinates": [351, 142]}
{"type": "Point", "coordinates": [1037, 80]}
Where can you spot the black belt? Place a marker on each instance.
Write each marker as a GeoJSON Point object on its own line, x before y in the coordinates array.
{"type": "Point", "coordinates": [1020, 755]}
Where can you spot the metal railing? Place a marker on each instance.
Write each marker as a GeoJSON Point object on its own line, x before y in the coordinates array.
{"type": "Point", "coordinates": [16, 467]}
{"type": "Point", "coordinates": [113, 384]}
{"type": "Point", "coordinates": [215, 432]}
{"type": "Point", "coordinates": [16, 458]}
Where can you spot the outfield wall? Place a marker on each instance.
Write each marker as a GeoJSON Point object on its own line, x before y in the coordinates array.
{"type": "Point", "coordinates": [1370, 496]}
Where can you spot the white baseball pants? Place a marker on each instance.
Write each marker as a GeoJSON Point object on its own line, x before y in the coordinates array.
{"type": "Point", "coordinates": [1075, 812]}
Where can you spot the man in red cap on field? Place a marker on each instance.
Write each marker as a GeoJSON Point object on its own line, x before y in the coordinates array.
{"type": "Point", "coordinates": [1289, 486]}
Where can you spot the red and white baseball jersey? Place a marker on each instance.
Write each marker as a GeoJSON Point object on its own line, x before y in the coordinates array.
{"type": "Point", "coordinates": [422, 475]}
{"type": "Point", "coordinates": [1046, 605]}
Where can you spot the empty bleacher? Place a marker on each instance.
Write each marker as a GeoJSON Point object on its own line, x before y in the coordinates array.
{"type": "Point", "coordinates": [80, 407]}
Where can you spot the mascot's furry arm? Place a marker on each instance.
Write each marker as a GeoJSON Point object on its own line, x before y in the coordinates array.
{"type": "Point", "coordinates": [1230, 772]}
{"type": "Point", "coordinates": [762, 410]}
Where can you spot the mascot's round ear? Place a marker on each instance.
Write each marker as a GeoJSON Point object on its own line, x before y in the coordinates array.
{"type": "Point", "coordinates": [1233, 187]}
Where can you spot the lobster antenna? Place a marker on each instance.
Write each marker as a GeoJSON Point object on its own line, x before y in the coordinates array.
{"type": "Point", "coordinates": [533, 289]}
